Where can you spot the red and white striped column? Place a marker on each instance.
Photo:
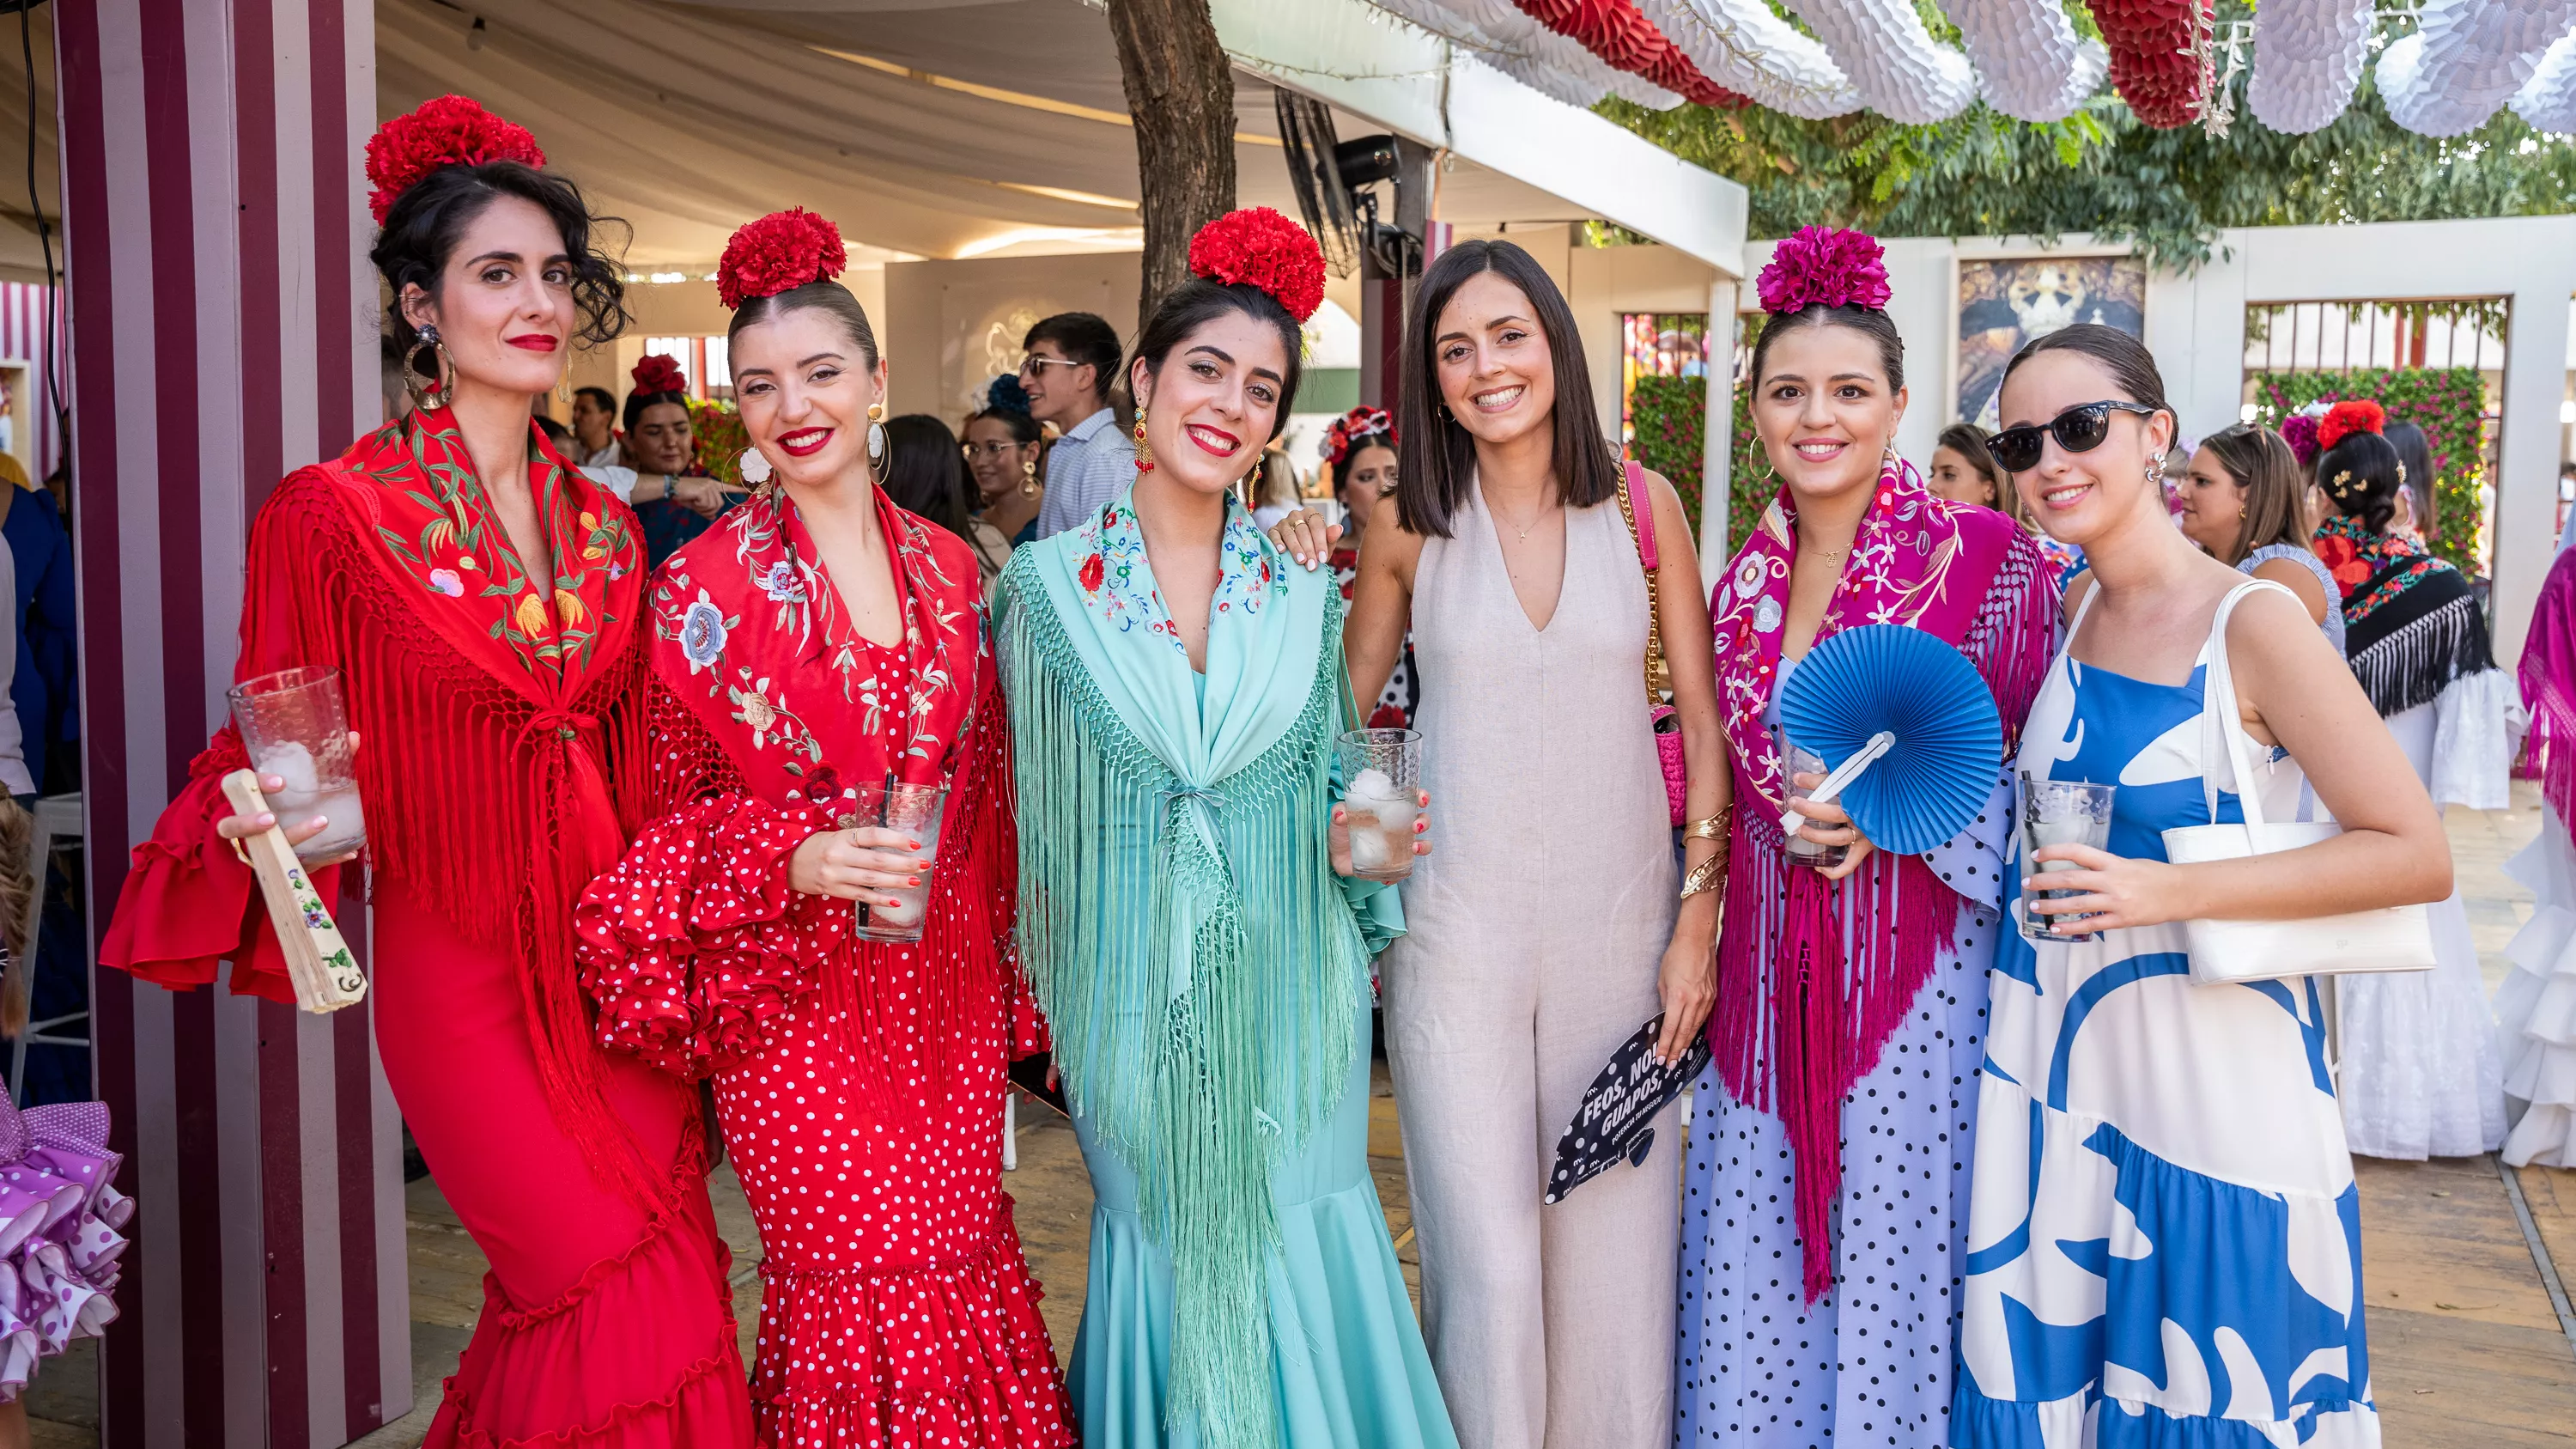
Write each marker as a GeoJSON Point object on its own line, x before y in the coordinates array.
{"type": "Point", "coordinates": [222, 333]}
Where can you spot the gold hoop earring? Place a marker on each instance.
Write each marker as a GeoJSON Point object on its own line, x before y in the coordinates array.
{"type": "Point", "coordinates": [1144, 451]}
{"type": "Point", "coordinates": [440, 382]}
{"type": "Point", "coordinates": [1028, 477]}
{"type": "Point", "coordinates": [876, 437]}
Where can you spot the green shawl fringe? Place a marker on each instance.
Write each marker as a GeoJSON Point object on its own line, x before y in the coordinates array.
{"type": "Point", "coordinates": [1200, 1073]}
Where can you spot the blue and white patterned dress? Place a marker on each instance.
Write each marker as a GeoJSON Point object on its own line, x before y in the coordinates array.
{"type": "Point", "coordinates": [2164, 1240]}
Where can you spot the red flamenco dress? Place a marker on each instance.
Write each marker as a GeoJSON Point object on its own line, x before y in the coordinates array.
{"type": "Point", "coordinates": [503, 729]}
{"type": "Point", "coordinates": [859, 1084]}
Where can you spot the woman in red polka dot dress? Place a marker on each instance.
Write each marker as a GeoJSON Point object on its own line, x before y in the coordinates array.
{"type": "Point", "coordinates": [814, 648]}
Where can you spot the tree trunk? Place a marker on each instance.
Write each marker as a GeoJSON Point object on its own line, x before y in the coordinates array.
{"type": "Point", "coordinates": [1180, 90]}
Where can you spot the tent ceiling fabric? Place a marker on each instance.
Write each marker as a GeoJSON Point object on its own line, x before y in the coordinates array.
{"type": "Point", "coordinates": [689, 119]}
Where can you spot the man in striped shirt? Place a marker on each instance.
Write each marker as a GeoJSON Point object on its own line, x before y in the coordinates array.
{"type": "Point", "coordinates": [1072, 364]}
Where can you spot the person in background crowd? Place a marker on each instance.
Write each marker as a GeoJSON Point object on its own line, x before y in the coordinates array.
{"type": "Point", "coordinates": [1509, 551]}
{"type": "Point", "coordinates": [925, 473]}
{"type": "Point", "coordinates": [2422, 1071]}
{"type": "Point", "coordinates": [2244, 503]}
{"type": "Point", "coordinates": [1274, 488]}
{"type": "Point", "coordinates": [672, 499]}
{"type": "Point", "coordinates": [1964, 472]}
{"type": "Point", "coordinates": [483, 604]}
{"type": "Point", "coordinates": [594, 427]}
{"type": "Point", "coordinates": [2167, 1152]}
{"type": "Point", "coordinates": [1359, 452]}
{"type": "Point", "coordinates": [1189, 917]}
{"type": "Point", "coordinates": [45, 693]}
{"type": "Point", "coordinates": [1004, 446]}
{"type": "Point", "coordinates": [2415, 454]}
{"type": "Point", "coordinates": [859, 1083]}
{"type": "Point", "coordinates": [1072, 363]}
{"type": "Point", "coordinates": [2536, 1006]}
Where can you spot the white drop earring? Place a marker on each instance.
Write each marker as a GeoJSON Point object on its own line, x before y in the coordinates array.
{"type": "Point", "coordinates": [754, 466]}
{"type": "Point", "coordinates": [876, 437]}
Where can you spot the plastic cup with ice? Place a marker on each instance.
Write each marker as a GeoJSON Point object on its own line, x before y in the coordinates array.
{"type": "Point", "coordinates": [918, 812]}
{"type": "Point", "coordinates": [1381, 773]}
{"type": "Point", "coordinates": [295, 726]}
{"type": "Point", "coordinates": [2059, 812]}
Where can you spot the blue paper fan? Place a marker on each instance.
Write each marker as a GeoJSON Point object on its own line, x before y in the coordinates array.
{"type": "Point", "coordinates": [1912, 685]}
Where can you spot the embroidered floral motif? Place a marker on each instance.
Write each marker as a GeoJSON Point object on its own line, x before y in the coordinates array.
{"type": "Point", "coordinates": [781, 585]}
{"type": "Point", "coordinates": [448, 582]}
{"type": "Point", "coordinates": [702, 633]}
{"type": "Point", "coordinates": [1113, 576]}
{"type": "Point", "coordinates": [2355, 556]}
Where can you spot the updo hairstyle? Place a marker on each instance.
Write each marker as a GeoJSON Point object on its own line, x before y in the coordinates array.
{"type": "Point", "coordinates": [1199, 301]}
{"type": "Point", "coordinates": [2359, 476]}
{"type": "Point", "coordinates": [428, 221]}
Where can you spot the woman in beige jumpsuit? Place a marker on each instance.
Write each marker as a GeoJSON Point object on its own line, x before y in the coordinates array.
{"type": "Point", "coordinates": [1545, 931]}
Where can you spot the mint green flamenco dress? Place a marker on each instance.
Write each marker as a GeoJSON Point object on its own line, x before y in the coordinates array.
{"type": "Point", "coordinates": [1205, 974]}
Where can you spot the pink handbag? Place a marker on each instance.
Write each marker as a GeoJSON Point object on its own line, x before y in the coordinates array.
{"type": "Point", "coordinates": [1659, 715]}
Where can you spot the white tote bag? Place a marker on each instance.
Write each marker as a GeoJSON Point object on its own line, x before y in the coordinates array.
{"type": "Point", "coordinates": [2393, 938]}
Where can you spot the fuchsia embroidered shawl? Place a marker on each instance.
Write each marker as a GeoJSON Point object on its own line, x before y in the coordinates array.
{"type": "Point", "coordinates": [1815, 975]}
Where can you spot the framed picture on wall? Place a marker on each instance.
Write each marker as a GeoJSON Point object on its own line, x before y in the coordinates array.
{"type": "Point", "coordinates": [2006, 301]}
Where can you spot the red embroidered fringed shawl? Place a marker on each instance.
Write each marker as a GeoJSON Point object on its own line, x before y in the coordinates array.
{"type": "Point", "coordinates": [502, 720]}
{"type": "Point", "coordinates": [1815, 975]}
{"type": "Point", "coordinates": [768, 703]}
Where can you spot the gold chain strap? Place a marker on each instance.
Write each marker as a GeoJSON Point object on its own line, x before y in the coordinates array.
{"type": "Point", "coordinates": [1658, 674]}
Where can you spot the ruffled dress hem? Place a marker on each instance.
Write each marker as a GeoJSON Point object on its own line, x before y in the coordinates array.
{"type": "Point", "coordinates": [2536, 1005]}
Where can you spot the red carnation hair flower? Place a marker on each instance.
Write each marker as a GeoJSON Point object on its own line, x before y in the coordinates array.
{"type": "Point", "coordinates": [1355, 427]}
{"type": "Point", "coordinates": [779, 253]}
{"type": "Point", "coordinates": [1824, 266]}
{"type": "Point", "coordinates": [1259, 247]}
{"type": "Point", "coordinates": [659, 372]}
{"type": "Point", "coordinates": [2344, 419]}
{"type": "Point", "coordinates": [449, 131]}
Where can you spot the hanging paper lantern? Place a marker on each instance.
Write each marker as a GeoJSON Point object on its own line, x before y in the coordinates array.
{"type": "Point", "coordinates": [1892, 60]}
{"type": "Point", "coordinates": [1614, 31]}
{"type": "Point", "coordinates": [2156, 60]}
{"type": "Point", "coordinates": [2307, 59]}
{"type": "Point", "coordinates": [2547, 102]}
{"type": "Point", "coordinates": [2030, 63]}
{"type": "Point", "coordinates": [1513, 61]}
{"type": "Point", "coordinates": [1744, 46]}
{"type": "Point", "coordinates": [2466, 59]}
{"type": "Point", "coordinates": [1520, 41]}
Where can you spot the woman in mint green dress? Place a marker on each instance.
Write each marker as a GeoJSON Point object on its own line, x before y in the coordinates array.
{"type": "Point", "coordinates": [1188, 918]}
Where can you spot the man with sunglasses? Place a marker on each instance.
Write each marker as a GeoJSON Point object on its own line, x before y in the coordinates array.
{"type": "Point", "coordinates": [1072, 363]}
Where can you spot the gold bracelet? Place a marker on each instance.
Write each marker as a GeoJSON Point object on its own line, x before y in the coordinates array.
{"type": "Point", "coordinates": [1704, 876]}
{"type": "Point", "coordinates": [1714, 827]}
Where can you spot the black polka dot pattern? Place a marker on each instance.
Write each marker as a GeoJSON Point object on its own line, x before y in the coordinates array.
{"type": "Point", "coordinates": [1870, 1362]}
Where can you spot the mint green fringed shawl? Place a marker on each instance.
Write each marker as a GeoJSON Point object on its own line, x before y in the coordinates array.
{"type": "Point", "coordinates": [1179, 914]}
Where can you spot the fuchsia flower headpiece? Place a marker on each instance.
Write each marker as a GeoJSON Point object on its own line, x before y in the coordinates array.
{"type": "Point", "coordinates": [2299, 430]}
{"type": "Point", "coordinates": [449, 131]}
{"type": "Point", "coordinates": [1824, 266]}
{"type": "Point", "coordinates": [779, 253]}
{"type": "Point", "coordinates": [1258, 246]}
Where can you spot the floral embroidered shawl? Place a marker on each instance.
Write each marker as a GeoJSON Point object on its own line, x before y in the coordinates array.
{"type": "Point", "coordinates": [749, 629]}
{"type": "Point", "coordinates": [2411, 622]}
{"type": "Point", "coordinates": [1798, 1019]}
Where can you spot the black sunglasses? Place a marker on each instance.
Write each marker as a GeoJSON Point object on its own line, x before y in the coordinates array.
{"type": "Point", "coordinates": [2078, 429]}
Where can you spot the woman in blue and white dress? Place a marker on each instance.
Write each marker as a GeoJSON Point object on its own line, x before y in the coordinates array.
{"type": "Point", "coordinates": [2164, 1240]}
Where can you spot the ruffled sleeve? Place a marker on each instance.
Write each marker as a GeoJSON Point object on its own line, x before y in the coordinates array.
{"type": "Point", "coordinates": [188, 901]}
{"type": "Point", "coordinates": [694, 941]}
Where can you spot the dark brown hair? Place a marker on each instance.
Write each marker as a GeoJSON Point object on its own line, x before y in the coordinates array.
{"type": "Point", "coordinates": [2359, 476]}
{"type": "Point", "coordinates": [1436, 461]}
{"type": "Point", "coordinates": [1969, 442]}
{"type": "Point", "coordinates": [428, 221]}
{"type": "Point", "coordinates": [2132, 367]}
{"type": "Point", "coordinates": [823, 296]}
{"type": "Point", "coordinates": [1199, 301]}
{"type": "Point", "coordinates": [1868, 321]}
{"type": "Point", "coordinates": [2261, 463]}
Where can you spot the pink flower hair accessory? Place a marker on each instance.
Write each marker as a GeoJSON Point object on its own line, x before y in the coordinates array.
{"type": "Point", "coordinates": [1824, 266]}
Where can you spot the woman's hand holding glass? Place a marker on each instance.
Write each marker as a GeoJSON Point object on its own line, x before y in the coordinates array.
{"type": "Point", "coordinates": [866, 865]}
{"type": "Point", "coordinates": [238, 828]}
{"type": "Point", "coordinates": [1828, 825]}
{"type": "Point", "coordinates": [1340, 833]}
{"type": "Point", "coordinates": [2109, 891]}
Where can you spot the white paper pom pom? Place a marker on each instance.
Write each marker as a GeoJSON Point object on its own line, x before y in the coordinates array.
{"type": "Point", "coordinates": [2030, 63]}
{"type": "Point", "coordinates": [1891, 59]}
{"type": "Point", "coordinates": [2548, 100]}
{"type": "Point", "coordinates": [2307, 59]}
{"type": "Point", "coordinates": [1743, 46]}
{"type": "Point", "coordinates": [2468, 58]}
{"type": "Point", "coordinates": [1508, 29]}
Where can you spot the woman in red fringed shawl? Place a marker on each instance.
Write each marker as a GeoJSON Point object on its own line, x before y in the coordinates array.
{"type": "Point", "coordinates": [819, 638]}
{"type": "Point", "coordinates": [1826, 1183]}
{"type": "Point", "coordinates": [482, 602]}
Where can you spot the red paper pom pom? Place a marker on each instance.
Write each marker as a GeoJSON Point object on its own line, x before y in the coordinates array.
{"type": "Point", "coordinates": [659, 373]}
{"type": "Point", "coordinates": [1260, 247]}
{"type": "Point", "coordinates": [449, 131]}
{"type": "Point", "coordinates": [2158, 64]}
{"type": "Point", "coordinates": [779, 253]}
{"type": "Point", "coordinates": [2344, 419]}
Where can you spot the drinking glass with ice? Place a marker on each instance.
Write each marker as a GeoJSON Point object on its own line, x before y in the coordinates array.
{"type": "Point", "coordinates": [1381, 771]}
{"type": "Point", "coordinates": [2059, 812]}
{"type": "Point", "coordinates": [916, 811]}
{"type": "Point", "coordinates": [295, 726]}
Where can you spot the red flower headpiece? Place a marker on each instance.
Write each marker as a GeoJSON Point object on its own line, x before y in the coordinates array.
{"type": "Point", "coordinates": [2344, 419]}
{"type": "Point", "coordinates": [1260, 247]}
{"type": "Point", "coordinates": [779, 253]}
{"type": "Point", "coordinates": [659, 373]}
{"type": "Point", "coordinates": [1352, 428]}
{"type": "Point", "coordinates": [1824, 266]}
{"type": "Point", "coordinates": [449, 131]}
